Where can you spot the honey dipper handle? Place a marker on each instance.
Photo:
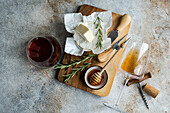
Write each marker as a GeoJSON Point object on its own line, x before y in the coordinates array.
{"type": "Point", "coordinates": [104, 68]}
{"type": "Point", "coordinates": [121, 46]}
{"type": "Point", "coordinates": [124, 21]}
{"type": "Point", "coordinates": [102, 57]}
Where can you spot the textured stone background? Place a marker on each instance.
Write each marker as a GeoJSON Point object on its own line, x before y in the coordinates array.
{"type": "Point", "coordinates": [26, 89]}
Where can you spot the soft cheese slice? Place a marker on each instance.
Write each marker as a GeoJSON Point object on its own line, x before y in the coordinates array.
{"type": "Point", "coordinates": [85, 33]}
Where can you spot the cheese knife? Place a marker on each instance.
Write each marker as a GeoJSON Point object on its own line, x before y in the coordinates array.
{"type": "Point", "coordinates": [124, 21]}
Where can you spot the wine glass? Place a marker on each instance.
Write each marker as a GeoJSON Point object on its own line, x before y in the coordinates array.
{"type": "Point", "coordinates": [44, 51]}
{"type": "Point", "coordinates": [133, 65]}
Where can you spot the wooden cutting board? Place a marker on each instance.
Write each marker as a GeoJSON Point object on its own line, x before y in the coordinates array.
{"type": "Point", "coordinates": [78, 80]}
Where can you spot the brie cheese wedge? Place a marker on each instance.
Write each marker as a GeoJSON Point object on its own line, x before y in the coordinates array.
{"type": "Point", "coordinates": [84, 32]}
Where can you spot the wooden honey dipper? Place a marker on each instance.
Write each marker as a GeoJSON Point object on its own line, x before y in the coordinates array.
{"type": "Point", "coordinates": [97, 77]}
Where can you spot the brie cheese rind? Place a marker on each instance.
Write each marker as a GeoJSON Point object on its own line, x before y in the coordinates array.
{"type": "Point", "coordinates": [72, 48]}
{"type": "Point", "coordinates": [73, 20]}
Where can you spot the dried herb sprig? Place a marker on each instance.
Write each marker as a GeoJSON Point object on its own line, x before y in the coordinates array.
{"type": "Point", "coordinates": [99, 32]}
{"type": "Point", "coordinates": [76, 62]}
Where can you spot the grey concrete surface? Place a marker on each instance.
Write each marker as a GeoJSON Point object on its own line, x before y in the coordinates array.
{"type": "Point", "coordinates": [26, 89]}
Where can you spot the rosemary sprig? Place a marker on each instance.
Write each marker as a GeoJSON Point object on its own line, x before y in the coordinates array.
{"type": "Point", "coordinates": [75, 70]}
{"type": "Point", "coordinates": [99, 32]}
{"type": "Point", "coordinates": [76, 62]}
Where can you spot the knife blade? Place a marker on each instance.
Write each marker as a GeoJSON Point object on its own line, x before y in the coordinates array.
{"type": "Point", "coordinates": [113, 35]}
{"type": "Point", "coordinates": [124, 21]}
{"type": "Point", "coordinates": [116, 45]}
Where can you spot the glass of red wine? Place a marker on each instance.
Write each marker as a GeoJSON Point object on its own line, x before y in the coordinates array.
{"type": "Point", "coordinates": [44, 51]}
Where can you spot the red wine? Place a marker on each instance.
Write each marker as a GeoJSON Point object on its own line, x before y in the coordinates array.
{"type": "Point", "coordinates": [44, 51]}
{"type": "Point", "coordinates": [40, 49]}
